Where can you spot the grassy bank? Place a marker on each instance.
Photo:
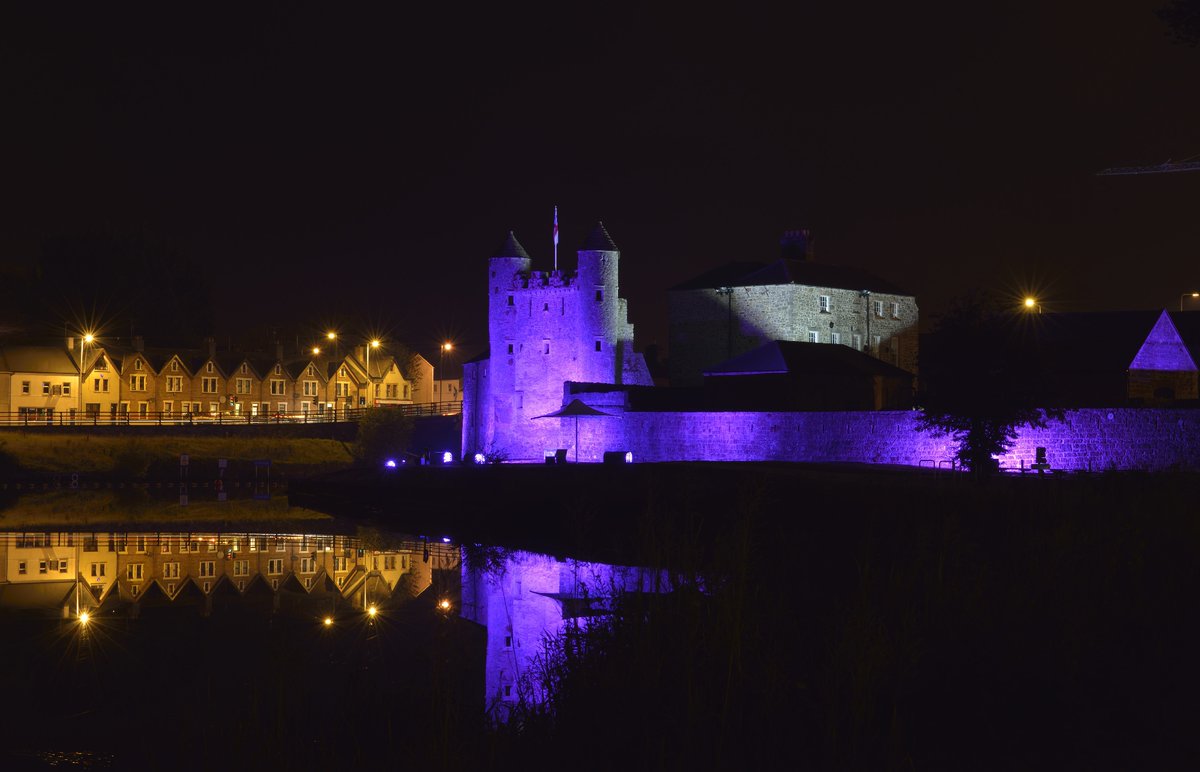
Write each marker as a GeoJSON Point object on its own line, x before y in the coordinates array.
{"type": "Point", "coordinates": [131, 509]}
{"type": "Point", "coordinates": [134, 457]}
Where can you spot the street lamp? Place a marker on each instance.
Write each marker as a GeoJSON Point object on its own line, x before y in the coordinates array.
{"type": "Point", "coordinates": [316, 351]}
{"type": "Point", "coordinates": [370, 345]}
{"type": "Point", "coordinates": [1187, 295]}
{"type": "Point", "coordinates": [1031, 304]}
{"type": "Point", "coordinates": [447, 346]}
{"type": "Point", "coordinates": [332, 336]}
{"type": "Point", "coordinates": [86, 339]}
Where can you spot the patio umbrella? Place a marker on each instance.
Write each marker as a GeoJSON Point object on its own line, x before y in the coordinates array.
{"type": "Point", "coordinates": [574, 410]}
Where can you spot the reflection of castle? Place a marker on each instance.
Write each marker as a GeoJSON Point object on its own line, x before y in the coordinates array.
{"type": "Point", "coordinates": [43, 569]}
{"type": "Point", "coordinates": [531, 597]}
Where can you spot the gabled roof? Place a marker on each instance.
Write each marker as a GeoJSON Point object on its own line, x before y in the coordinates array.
{"type": "Point", "coordinates": [780, 357]}
{"type": "Point", "coordinates": [511, 248]}
{"type": "Point", "coordinates": [1107, 341]}
{"type": "Point", "coordinates": [298, 368]}
{"type": "Point", "coordinates": [784, 271]}
{"type": "Point", "coordinates": [598, 241]}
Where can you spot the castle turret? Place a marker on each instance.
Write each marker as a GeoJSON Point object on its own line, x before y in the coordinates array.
{"type": "Point", "coordinates": [600, 313]}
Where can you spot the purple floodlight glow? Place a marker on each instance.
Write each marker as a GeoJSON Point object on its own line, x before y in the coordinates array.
{"type": "Point", "coordinates": [445, 539]}
{"type": "Point", "coordinates": [629, 457]}
{"type": "Point", "coordinates": [390, 463]}
{"type": "Point", "coordinates": [480, 458]}
{"type": "Point", "coordinates": [447, 457]}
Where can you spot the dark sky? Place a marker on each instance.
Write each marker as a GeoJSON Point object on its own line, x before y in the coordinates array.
{"type": "Point", "coordinates": [328, 165]}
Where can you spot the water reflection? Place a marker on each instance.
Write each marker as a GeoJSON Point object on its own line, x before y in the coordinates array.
{"type": "Point", "coordinates": [525, 600]}
{"type": "Point", "coordinates": [90, 573]}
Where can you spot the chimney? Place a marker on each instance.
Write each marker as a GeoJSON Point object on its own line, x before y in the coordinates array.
{"type": "Point", "coordinates": [139, 344]}
{"type": "Point", "coordinates": [211, 344]}
{"type": "Point", "coordinates": [796, 245]}
{"type": "Point", "coordinates": [70, 343]}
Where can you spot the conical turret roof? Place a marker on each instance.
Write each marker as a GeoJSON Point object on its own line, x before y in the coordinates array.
{"type": "Point", "coordinates": [599, 241]}
{"type": "Point", "coordinates": [511, 248]}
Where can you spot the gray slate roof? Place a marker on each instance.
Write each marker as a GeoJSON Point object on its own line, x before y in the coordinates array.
{"type": "Point", "coordinates": [511, 248]}
{"type": "Point", "coordinates": [784, 271]}
{"type": "Point", "coordinates": [797, 358]}
{"type": "Point", "coordinates": [599, 241]}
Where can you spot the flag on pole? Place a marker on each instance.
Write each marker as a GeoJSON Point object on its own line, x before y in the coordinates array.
{"type": "Point", "coordinates": [556, 226]}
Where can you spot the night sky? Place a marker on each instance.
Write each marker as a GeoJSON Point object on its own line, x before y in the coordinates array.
{"type": "Point", "coordinates": [328, 166]}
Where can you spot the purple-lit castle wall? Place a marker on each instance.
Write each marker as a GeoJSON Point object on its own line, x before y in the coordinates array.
{"type": "Point", "coordinates": [545, 328]}
{"type": "Point", "coordinates": [1094, 439]}
{"type": "Point", "coordinates": [512, 602]}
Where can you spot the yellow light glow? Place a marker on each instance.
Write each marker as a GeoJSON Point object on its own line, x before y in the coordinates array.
{"type": "Point", "coordinates": [316, 350]}
{"type": "Point", "coordinates": [1196, 294]}
{"type": "Point", "coordinates": [444, 605]}
{"type": "Point", "coordinates": [331, 335]}
{"type": "Point", "coordinates": [1030, 302]}
{"type": "Point", "coordinates": [374, 344]}
{"type": "Point", "coordinates": [447, 346]}
{"type": "Point", "coordinates": [328, 621]}
{"type": "Point", "coordinates": [84, 617]}
{"type": "Point", "coordinates": [88, 338]}
{"type": "Point", "coordinates": [372, 611]}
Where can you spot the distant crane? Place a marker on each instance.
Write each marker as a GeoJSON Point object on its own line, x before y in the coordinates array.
{"type": "Point", "coordinates": [1168, 167]}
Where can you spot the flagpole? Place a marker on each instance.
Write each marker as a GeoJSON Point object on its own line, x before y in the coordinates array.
{"type": "Point", "coordinates": [556, 238]}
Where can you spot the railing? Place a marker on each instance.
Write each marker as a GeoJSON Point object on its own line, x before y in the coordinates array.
{"type": "Point", "coordinates": [34, 419]}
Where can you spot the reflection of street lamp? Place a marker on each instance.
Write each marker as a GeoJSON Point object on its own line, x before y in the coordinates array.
{"type": "Point", "coordinates": [1187, 295]}
{"type": "Point", "coordinates": [447, 346]}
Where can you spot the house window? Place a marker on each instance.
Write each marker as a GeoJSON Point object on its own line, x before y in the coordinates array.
{"type": "Point", "coordinates": [25, 384]}
{"type": "Point", "coordinates": [140, 544]}
{"type": "Point", "coordinates": [137, 383]}
{"type": "Point", "coordinates": [22, 568]}
{"type": "Point", "coordinates": [875, 342]}
{"type": "Point", "coordinates": [208, 385]}
{"type": "Point", "coordinates": [170, 588]}
{"type": "Point", "coordinates": [814, 336]}
{"type": "Point", "coordinates": [824, 302]}
{"type": "Point", "coordinates": [245, 368]}
{"type": "Point", "coordinates": [241, 568]}
{"type": "Point", "coordinates": [101, 364]}
{"type": "Point", "coordinates": [599, 345]}
{"type": "Point", "coordinates": [42, 567]}
{"type": "Point", "coordinates": [62, 566]}
{"type": "Point", "coordinates": [137, 364]}
{"type": "Point", "coordinates": [243, 386]}
{"type": "Point", "coordinates": [174, 383]}
{"type": "Point", "coordinates": [599, 295]}
{"type": "Point", "coordinates": [66, 388]}
{"type": "Point", "coordinates": [895, 310]}
{"type": "Point", "coordinates": [308, 566]}
{"type": "Point", "coordinates": [207, 587]}
{"type": "Point", "coordinates": [879, 309]}
{"type": "Point", "coordinates": [208, 568]}
{"type": "Point", "coordinates": [858, 343]}
{"type": "Point", "coordinates": [275, 566]}
{"type": "Point", "coordinates": [342, 372]}
{"type": "Point", "coordinates": [276, 387]}
{"type": "Point", "coordinates": [99, 570]}
{"type": "Point", "coordinates": [312, 370]}
{"type": "Point", "coordinates": [174, 365]}
{"type": "Point", "coordinates": [835, 337]}
{"type": "Point", "coordinates": [389, 562]}
{"type": "Point", "coordinates": [133, 590]}
{"type": "Point", "coordinates": [510, 301]}
{"type": "Point", "coordinates": [510, 348]}
{"type": "Point", "coordinates": [310, 388]}
{"type": "Point", "coordinates": [208, 368]}
{"type": "Point", "coordinates": [545, 306]}
{"type": "Point", "coordinates": [133, 572]}
{"type": "Point", "coordinates": [170, 570]}
{"type": "Point", "coordinates": [545, 347]}
{"type": "Point", "coordinates": [279, 369]}
{"type": "Point", "coordinates": [45, 388]}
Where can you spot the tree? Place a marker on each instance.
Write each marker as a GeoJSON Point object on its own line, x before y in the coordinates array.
{"type": "Point", "coordinates": [976, 372]}
{"type": "Point", "coordinates": [383, 433]}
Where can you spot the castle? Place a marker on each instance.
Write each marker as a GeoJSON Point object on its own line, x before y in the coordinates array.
{"type": "Point", "coordinates": [545, 328]}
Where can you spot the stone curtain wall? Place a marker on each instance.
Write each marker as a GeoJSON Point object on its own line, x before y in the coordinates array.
{"type": "Point", "coordinates": [1085, 440]}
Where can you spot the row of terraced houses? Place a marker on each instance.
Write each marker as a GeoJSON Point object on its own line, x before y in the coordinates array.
{"type": "Point", "coordinates": [92, 380]}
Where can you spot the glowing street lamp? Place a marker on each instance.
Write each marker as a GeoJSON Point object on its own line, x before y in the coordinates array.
{"type": "Point", "coordinates": [86, 339]}
{"type": "Point", "coordinates": [444, 349]}
{"type": "Point", "coordinates": [316, 350]}
{"type": "Point", "coordinates": [1031, 304]}
{"type": "Point", "coordinates": [1187, 295]}
{"type": "Point", "coordinates": [372, 344]}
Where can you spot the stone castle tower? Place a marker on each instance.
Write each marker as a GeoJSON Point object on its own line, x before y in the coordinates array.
{"type": "Point", "coordinates": [545, 328]}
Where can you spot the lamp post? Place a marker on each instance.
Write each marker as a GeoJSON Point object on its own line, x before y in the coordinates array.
{"type": "Point", "coordinates": [1031, 304]}
{"type": "Point", "coordinates": [447, 346]}
{"type": "Point", "coordinates": [370, 345]}
{"type": "Point", "coordinates": [1187, 295]}
{"type": "Point", "coordinates": [332, 336]}
{"type": "Point", "coordinates": [86, 338]}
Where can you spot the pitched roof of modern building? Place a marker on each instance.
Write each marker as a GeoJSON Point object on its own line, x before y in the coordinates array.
{"type": "Point", "coordinates": [598, 241]}
{"type": "Point", "coordinates": [787, 271]}
{"type": "Point", "coordinates": [37, 359]}
{"type": "Point", "coordinates": [780, 357]}
{"type": "Point", "coordinates": [511, 248]}
{"type": "Point", "coordinates": [1104, 341]}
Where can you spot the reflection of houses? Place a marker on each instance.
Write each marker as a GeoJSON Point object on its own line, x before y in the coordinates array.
{"type": "Point", "coordinates": [736, 308]}
{"type": "Point", "coordinates": [529, 598]}
{"type": "Point", "coordinates": [123, 568]}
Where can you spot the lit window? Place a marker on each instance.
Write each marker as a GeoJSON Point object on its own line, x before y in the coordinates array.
{"type": "Point", "coordinates": [814, 336]}
{"type": "Point", "coordinates": [835, 337]}
{"type": "Point", "coordinates": [879, 308]}
{"type": "Point", "coordinates": [137, 364]}
{"type": "Point", "coordinates": [824, 303]}
{"type": "Point", "coordinates": [24, 387]}
{"type": "Point", "coordinates": [895, 310]}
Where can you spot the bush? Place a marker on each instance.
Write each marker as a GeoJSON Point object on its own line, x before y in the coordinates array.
{"type": "Point", "coordinates": [383, 433]}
